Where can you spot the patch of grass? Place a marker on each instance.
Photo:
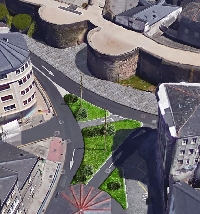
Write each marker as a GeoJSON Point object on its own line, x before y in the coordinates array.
{"type": "Point", "coordinates": [94, 153]}
{"type": "Point", "coordinates": [94, 112]}
{"type": "Point", "coordinates": [120, 194]}
{"type": "Point", "coordinates": [9, 20]}
{"type": "Point", "coordinates": [31, 30]}
{"type": "Point", "coordinates": [138, 83]}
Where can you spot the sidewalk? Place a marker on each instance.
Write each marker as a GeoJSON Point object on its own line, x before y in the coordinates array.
{"type": "Point", "coordinates": [53, 151]}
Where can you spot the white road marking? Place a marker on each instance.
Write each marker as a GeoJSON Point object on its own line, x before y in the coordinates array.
{"type": "Point", "coordinates": [117, 157]}
{"type": "Point", "coordinates": [50, 72]}
{"type": "Point", "coordinates": [138, 134]}
{"type": "Point", "coordinates": [72, 161]}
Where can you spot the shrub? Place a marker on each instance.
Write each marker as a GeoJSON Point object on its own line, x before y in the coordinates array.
{"type": "Point", "coordinates": [87, 170]}
{"type": "Point", "coordinates": [81, 114]}
{"type": "Point", "coordinates": [92, 131]}
{"type": "Point", "coordinates": [113, 185]}
{"type": "Point", "coordinates": [80, 177]}
{"type": "Point", "coordinates": [70, 98]}
{"type": "Point", "coordinates": [22, 21]}
{"type": "Point", "coordinates": [109, 131]}
{"type": "Point", "coordinates": [32, 29]}
{"type": "Point", "coordinates": [3, 11]}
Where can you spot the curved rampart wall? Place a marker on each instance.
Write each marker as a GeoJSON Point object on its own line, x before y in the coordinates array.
{"type": "Point", "coordinates": [110, 67]}
{"type": "Point", "coordinates": [62, 36]}
{"type": "Point", "coordinates": [158, 70]}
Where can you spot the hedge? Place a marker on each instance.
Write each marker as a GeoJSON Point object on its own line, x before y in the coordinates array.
{"type": "Point", "coordinates": [3, 11]}
{"type": "Point", "coordinates": [22, 21]}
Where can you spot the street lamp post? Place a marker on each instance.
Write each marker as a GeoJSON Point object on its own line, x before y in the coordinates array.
{"type": "Point", "coordinates": [81, 87]}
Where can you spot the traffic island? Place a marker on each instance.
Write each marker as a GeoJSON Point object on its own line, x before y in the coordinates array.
{"type": "Point", "coordinates": [99, 148]}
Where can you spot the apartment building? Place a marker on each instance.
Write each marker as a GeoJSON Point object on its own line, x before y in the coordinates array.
{"type": "Point", "coordinates": [178, 145]}
{"type": "Point", "coordinates": [20, 178]}
{"type": "Point", "coordinates": [17, 86]}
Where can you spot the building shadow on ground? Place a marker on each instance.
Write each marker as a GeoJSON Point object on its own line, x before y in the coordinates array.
{"type": "Point", "coordinates": [137, 164]}
{"type": "Point", "coordinates": [81, 61]}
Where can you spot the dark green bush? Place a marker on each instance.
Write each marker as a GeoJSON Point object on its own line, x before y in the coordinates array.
{"type": "Point", "coordinates": [87, 170]}
{"type": "Point", "coordinates": [70, 98]}
{"type": "Point", "coordinates": [109, 131]}
{"type": "Point", "coordinates": [32, 29]}
{"type": "Point", "coordinates": [92, 131]}
{"type": "Point", "coordinates": [113, 185]}
{"type": "Point", "coordinates": [22, 21]}
{"type": "Point", "coordinates": [3, 11]}
{"type": "Point", "coordinates": [84, 5]}
{"type": "Point", "coordinates": [80, 178]}
{"type": "Point", "coordinates": [81, 114]}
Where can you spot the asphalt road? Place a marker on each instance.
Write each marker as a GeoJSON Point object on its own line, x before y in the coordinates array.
{"type": "Point", "coordinates": [69, 129]}
{"type": "Point", "coordinates": [69, 85]}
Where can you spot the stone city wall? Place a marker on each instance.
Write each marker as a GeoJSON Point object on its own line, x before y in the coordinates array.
{"type": "Point", "coordinates": [17, 7]}
{"type": "Point", "coordinates": [158, 70]}
{"type": "Point", "coordinates": [110, 67]}
{"type": "Point", "coordinates": [61, 36]}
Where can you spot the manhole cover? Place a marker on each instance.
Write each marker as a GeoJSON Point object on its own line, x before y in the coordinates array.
{"type": "Point", "coordinates": [61, 121]}
{"type": "Point", "coordinates": [56, 133]}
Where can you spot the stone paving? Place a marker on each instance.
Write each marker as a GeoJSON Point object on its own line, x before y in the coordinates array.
{"type": "Point", "coordinates": [100, 121]}
{"type": "Point", "coordinates": [71, 61]}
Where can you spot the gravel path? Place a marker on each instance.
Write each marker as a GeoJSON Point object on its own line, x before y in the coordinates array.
{"type": "Point", "coordinates": [71, 61]}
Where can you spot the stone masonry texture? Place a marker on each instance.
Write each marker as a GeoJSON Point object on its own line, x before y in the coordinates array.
{"type": "Point", "coordinates": [76, 62]}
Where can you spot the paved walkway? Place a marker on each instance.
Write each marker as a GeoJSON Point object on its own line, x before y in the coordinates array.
{"type": "Point", "coordinates": [101, 121]}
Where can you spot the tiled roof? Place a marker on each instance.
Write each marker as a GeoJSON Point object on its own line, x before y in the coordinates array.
{"type": "Point", "coordinates": [13, 51]}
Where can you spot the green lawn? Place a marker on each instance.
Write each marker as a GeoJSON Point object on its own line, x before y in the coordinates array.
{"type": "Point", "coordinates": [94, 112]}
{"type": "Point", "coordinates": [94, 153]}
{"type": "Point", "coordinates": [120, 194]}
{"type": "Point", "coordinates": [138, 83]}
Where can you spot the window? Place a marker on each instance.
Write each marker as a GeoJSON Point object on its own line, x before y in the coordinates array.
{"type": "Point", "coordinates": [196, 160]}
{"type": "Point", "coordinates": [30, 86]}
{"type": "Point", "coordinates": [31, 72]}
{"type": "Point", "coordinates": [22, 68]}
{"type": "Point", "coordinates": [3, 76]}
{"type": "Point", "coordinates": [196, 35]}
{"type": "Point", "coordinates": [182, 152]}
{"type": "Point", "coordinates": [25, 102]}
{"type": "Point", "coordinates": [17, 71]}
{"type": "Point", "coordinates": [186, 31]}
{"type": "Point", "coordinates": [29, 100]}
{"type": "Point", "coordinates": [33, 96]}
{"type": "Point", "coordinates": [187, 162]}
{"type": "Point", "coordinates": [27, 90]}
{"type": "Point", "coordinates": [24, 80]}
{"type": "Point", "coordinates": [22, 92]}
{"type": "Point", "coordinates": [4, 87]}
{"type": "Point", "coordinates": [33, 83]}
{"type": "Point", "coordinates": [20, 82]}
{"type": "Point", "coordinates": [184, 142]}
{"type": "Point", "coordinates": [180, 161]}
{"type": "Point", "coordinates": [191, 151]}
{"type": "Point", "coordinates": [26, 65]}
{"type": "Point", "coordinates": [194, 140]}
{"type": "Point", "coordinates": [8, 108]}
{"type": "Point", "coordinates": [6, 98]}
{"type": "Point", "coordinates": [28, 76]}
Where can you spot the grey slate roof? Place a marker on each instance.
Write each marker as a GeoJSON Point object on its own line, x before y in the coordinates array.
{"type": "Point", "coordinates": [192, 12]}
{"type": "Point", "coordinates": [14, 52]}
{"type": "Point", "coordinates": [186, 199]}
{"type": "Point", "coordinates": [16, 160]}
{"type": "Point", "coordinates": [133, 11]}
{"type": "Point", "coordinates": [7, 181]}
{"type": "Point", "coordinates": [184, 110]}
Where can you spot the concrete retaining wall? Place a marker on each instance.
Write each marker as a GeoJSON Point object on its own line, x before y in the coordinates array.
{"type": "Point", "coordinates": [110, 67]}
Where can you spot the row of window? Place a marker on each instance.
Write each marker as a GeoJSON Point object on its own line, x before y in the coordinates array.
{"type": "Point", "coordinates": [25, 102]}
{"type": "Point", "coordinates": [190, 152]}
{"type": "Point", "coordinates": [10, 107]}
{"type": "Point", "coordinates": [27, 89]}
{"type": "Point", "coordinates": [196, 34]}
{"type": "Point", "coordinates": [7, 98]}
{"type": "Point", "coordinates": [187, 161]}
{"type": "Point", "coordinates": [3, 76]}
{"type": "Point", "coordinates": [4, 87]}
{"type": "Point", "coordinates": [22, 81]}
{"type": "Point", "coordinates": [185, 141]}
{"type": "Point", "coordinates": [20, 70]}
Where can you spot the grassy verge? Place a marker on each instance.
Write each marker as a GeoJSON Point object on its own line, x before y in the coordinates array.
{"type": "Point", "coordinates": [120, 194]}
{"type": "Point", "coordinates": [94, 112]}
{"type": "Point", "coordinates": [94, 153]}
{"type": "Point", "coordinates": [138, 83]}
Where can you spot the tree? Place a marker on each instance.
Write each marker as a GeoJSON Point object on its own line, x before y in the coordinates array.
{"type": "Point", "coordinates": [113, 185]}
{"type": "Point", "coordinates": [70, 98]}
